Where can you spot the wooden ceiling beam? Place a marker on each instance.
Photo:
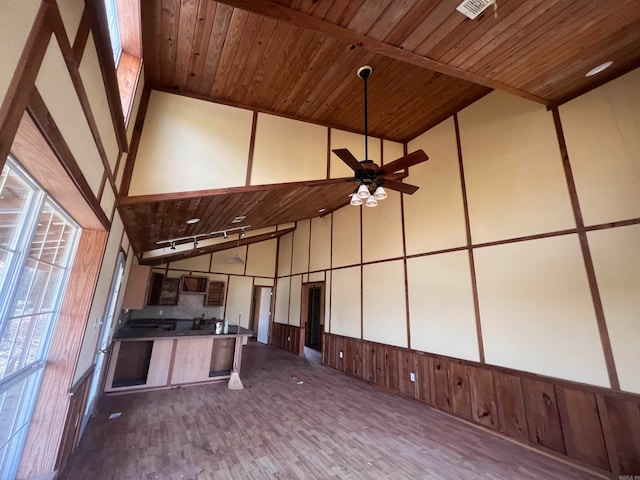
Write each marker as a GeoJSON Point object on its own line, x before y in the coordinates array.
{"type": "Point", "coordinates": [301, 20]}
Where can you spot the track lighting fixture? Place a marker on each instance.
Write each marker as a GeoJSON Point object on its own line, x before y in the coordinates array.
{"type": "Point", "coordinates": [172, 242]}
{"type": "Point", "coordinates": [226, 235]}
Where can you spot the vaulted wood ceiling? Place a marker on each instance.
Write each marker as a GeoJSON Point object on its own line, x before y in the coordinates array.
{"type": "Point", "coordinates": [298, 58]}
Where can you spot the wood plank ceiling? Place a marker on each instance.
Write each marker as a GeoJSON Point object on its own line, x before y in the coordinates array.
{"type": "Point", "coordinates": [298, 58]}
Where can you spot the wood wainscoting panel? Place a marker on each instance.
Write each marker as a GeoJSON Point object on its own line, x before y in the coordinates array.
{"type": "Point", "coordinates": [583, 435]}
{"type": "Point", "coordinates": [483, 397]}
{"type": "Point", "coordinates": [594, 427]}
{"type": "Point", "coordinates": [369, 362]}
{"type": "Point", "coordinates": [441, 392]}
{"type": "Point", "coordinates": [542, 414]}
{"type": "Point", "coordinates": [511, 412]}
{"type": "Point", "coordinates": [624, 418]}
{"type": "Point", "coordinates": [424, 379]}
{"type": "Point", "coordinates": [405, 369]}
{"type": "Point", "coordinates": [460, 389]}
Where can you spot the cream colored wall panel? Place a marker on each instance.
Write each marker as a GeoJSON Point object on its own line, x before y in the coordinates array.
{"type": "Point", "coordinates": [71, 13]}
{"type": "Point", "coordinates": [305, 278]}
{"type": "Point", "coordinates": [100, 297]}
{"type": "Point", "coordinates": [261, 258]}
{"type": "Point", "coordinates": [346, 236]}
{"type": "Point", "coordinates": [288, 150]}
{"type": "Point", "coordinates": [616, 258]}
{"type": "Point", "coordinates": [220, 261]}
{"type": "Point", "coordinates": [295, 299]}
{"type": "Point", "coordinates": [108, 200]}
{"type": "Point", "coordinates": [434, 215]}
{"type": "Point", "coordinates": [238, 302]}
{"type": "Point", "coordinates": [120, 172]}
{"type": "Point", "coordinates": [602, 131]}
{"type": "Point", "coordinates": [385, 310]}
{"type": "Point", "coordinates": [218, 277]}
{"type": "Point", "coordinates": [327, 303]}
{"type": "Point", "coordinates": [513, 170]}
{"type": "Point", "coordinates": [125, 241]}
{"type": "Point", "coordinates": [536, 309]}
{"type": "Point", "coordinates": [391, 151]}
{"type": "Point", "coordinates": [264, 282]}
{"type": "Point", "coordinates": [382, 229]}
{"type": "Point", "coordinates": [94, 86]}
{"type": "Point", "coordinates": [316, 277]}
{"type": "Point", "coordinates": [16, 20]}
{"type": "Point", "coordinates": [441, 310]}
{"type": "Point", "coordinates": [209, 142]}
{"type": "Point", "coordinates": [284, 254]}
{"type": "Point", "coordinates": [353, 142]}
{"type": "Point", "coordinates": [54, 84]}
{"type": "Point", "coordinates": [320, 253]}
{"type": "Point", "coordinates": [281, 314]}
{"type": "Point", "coordinates": [201, 263]}
{"type": "Point", "coordinates": [345, 302]}
{"type": "Point", "coordinates": [300, 260]}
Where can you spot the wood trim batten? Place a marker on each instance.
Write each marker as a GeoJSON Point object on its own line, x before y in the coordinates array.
{"type": "Point", "coordinates": [252, 145]}
{"type": "Point", "coordinates": [135, 142]}
{"type": "Point", "coordinates": [404, 253]}
{"type": "Point", "coordinates": [42, 118]}
{"type": "Point", "coordinates": [100, 31]}
{"type": "Point", "coordinates": [23, 80]}
{"type": "Point", "coordinates": [586, 253]}
{"type": "Point", "coordinates": [467, 223]}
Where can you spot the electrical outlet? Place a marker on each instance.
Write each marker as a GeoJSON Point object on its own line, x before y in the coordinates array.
{"type": "Point", "coordinates": [412, 377]}
{"type": "Point", "coordinates": [288, 339]}
{"type": "Point", "coordinates": [341, 354]}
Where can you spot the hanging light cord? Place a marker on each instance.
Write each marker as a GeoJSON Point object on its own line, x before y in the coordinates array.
{"type": "Point", "coordinates": [366, 122]}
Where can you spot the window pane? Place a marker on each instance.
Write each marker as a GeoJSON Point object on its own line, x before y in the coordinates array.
{"type": "Point", "coordinates": [21, 342]}
{"type": "Point", "coordinates": [24, 286]}
{"type": "Point", "coordinates": [15, 195]}
{"type": "Point", "coordinates": [9, 410]}
{"type": "Point", "coordinates": [5, 258]}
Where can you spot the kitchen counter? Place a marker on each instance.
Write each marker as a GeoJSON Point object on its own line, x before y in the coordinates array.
{"type": "Point", "coordinates": [141, 331]}
{"type": "Point", "coordinates": [165, 353]}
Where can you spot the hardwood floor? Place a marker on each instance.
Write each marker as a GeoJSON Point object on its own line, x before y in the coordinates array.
{"type": "Point", "coordinates": [329, 427]}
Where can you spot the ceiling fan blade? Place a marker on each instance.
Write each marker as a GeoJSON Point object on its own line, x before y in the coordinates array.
{"type": "Point", "coordinates": [404, 162]}
{"type": "Point", "coordinates": [400, 187]}
{"type": "Point", "coordinates": [393, 176]}
{"type": "Point", "coordinates": [346, 156]}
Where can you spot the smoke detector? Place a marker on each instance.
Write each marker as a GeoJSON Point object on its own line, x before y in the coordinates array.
{"type": "Point", "coordinates": [472, 8]}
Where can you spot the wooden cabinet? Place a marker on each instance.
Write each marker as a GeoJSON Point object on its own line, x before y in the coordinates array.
{"type": "Point", "coordinates": [215, 294]}
{"type": "Point", "coordinates": [194, 284]}
{"type": "Point", "coordinates": [135, 294]}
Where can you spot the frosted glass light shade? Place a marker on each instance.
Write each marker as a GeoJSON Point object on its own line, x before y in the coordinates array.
{"type": "Point", "coordinates": [371, 201]}
{"type": "Point", "coordinates": [363, 191]}
{"type": "Point", "coordinates": [380, 193]}
{"type": "Point", "coordinates": [356, 200]}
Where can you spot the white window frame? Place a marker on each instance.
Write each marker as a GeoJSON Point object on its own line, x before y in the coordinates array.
{"type": "Point", "coordinates": [114, 29]}
{"type": "Point", "coordinates": [31, 373]}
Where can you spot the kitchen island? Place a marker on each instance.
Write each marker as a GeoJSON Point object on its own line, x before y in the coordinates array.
{"type": "Point", "coordinates": [164, 353]}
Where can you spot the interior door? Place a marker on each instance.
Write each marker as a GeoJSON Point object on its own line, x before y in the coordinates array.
{"type": "Point", "coordinates": [315, 306]}
{"type": "Point", "coordinates": [264, 313]}
{"type": "Point", "coordinates": [103, 339]}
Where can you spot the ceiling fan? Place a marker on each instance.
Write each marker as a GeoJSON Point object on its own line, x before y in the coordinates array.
{"type": "Point", "coordinates": [373, 179]}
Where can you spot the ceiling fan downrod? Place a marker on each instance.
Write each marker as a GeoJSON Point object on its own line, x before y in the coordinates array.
{"type": "Point", "coordinates": [365, 72]}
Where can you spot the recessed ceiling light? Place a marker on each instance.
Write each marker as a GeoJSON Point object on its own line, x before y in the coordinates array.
{"type": "Point", "coordinates": [322, 210]}
{"type": "Point", "coordinates": [598, 69]}
{"type": "Point", "coordinates": [191, 221]}
{"type": "Point", "coordinates": [238, 219]}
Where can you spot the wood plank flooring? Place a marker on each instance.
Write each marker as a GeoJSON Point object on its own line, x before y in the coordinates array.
{"type": "Point", "coordinates": [329, 427]}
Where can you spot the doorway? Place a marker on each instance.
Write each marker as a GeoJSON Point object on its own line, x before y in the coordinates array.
{"type": "Point", "coordinates": [103, 340]}
{"type": "Point", "coordinates": [313, 314]}
{"type": "Point", "coordinates": [261, 313]}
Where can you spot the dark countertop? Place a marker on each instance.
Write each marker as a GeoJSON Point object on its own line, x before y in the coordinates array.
{"type": "Point", "coordinates": [160, 328]}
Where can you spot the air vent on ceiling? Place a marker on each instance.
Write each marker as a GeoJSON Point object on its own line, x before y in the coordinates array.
{"type": "Point", "coordinates": [238, 219]}
{"type": "Point", "coordinates": [473, 8]}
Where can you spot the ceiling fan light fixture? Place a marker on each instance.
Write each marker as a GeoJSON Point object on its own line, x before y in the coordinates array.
{"type": "Point", "coordinates": [371, 202]}
{"type": "Point", "coordinates": [356, 200]}
{"type": "Point", "coordinates": [363, 191]}
{"type": "Point", "coordinates": [380, 193]}
{"type": "Point", "coordinates": [236, 260]}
